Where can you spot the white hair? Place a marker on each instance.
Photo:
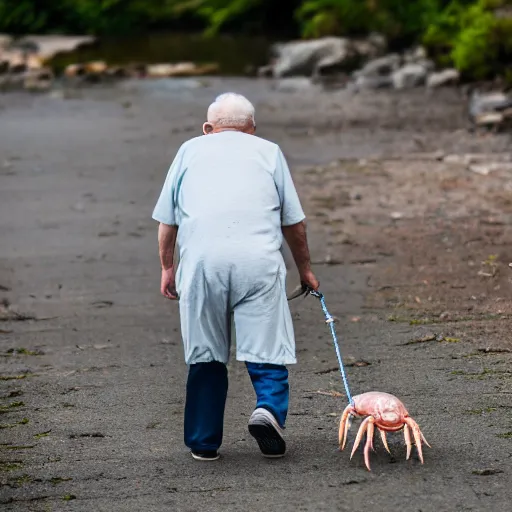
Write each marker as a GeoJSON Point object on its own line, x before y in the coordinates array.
{"type": "Point", "coordinates": [231, 109]}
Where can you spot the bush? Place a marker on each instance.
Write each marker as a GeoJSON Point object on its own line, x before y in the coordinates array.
{"type": "Point", "coordinates": [471, 37]}
{"type": "Point", "coordinates": [401, 21]}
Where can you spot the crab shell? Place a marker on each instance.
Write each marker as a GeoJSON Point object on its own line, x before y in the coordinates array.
{"type": "Point", "coordinates": [388, 412]}
{"type": "Point", "coordinates": [384, 412]}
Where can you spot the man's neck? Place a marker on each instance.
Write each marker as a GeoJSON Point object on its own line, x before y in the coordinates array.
{"type": "Point", "coordinates": [246, 129]}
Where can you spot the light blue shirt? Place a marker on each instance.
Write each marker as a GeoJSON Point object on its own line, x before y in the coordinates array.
{"type": "Point", "coordinates": [229, 193]}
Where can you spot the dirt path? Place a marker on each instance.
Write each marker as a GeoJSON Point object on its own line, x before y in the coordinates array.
{"type": "Point", "coordinates": [413, 254]}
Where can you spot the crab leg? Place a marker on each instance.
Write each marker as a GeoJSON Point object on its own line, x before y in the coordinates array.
{"type": "Point", "coordinates": [344, 426]}
{"type": "Point", "coordinates": [407, 436]}
{"type": "Point", "coordinates": [360, 433]}
{"type": "Point", "coordinates": [369, 442]}
{"type": "Point", "coordinates": [424, 440]}
{"type": "Point", "coordinates": [417, 436]}
{"type": "Point", "coordinates": [348, 424]}
{"type": "Point", "coordinates": [384, 440]}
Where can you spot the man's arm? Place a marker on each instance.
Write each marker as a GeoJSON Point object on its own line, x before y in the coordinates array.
{"type": "Point", "coordinates": [295, 236]}
{"type": "Point", "coordinates": [166, 245]}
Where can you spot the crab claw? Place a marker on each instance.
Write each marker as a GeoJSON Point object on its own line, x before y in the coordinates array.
{"type": "Point", "coordinates": [418, 436]}
{"type": "Point", "coordinates": [366, 426]}
{"type": "Point", "coordinates": [384, 440]}
{"type": "Point", "coordinates": [344, 426]}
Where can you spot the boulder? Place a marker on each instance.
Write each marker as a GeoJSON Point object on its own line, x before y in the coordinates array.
{"type": "Point", "coordinates": [489, 119]}
{"type": "Point", "coordinates": [96, 67]}
{"type": "Point", "coordinates": [5, 41]}
{"type": "Point", "coordinates": [313, 58]}
{"type": "Point", "coordinates": [373, 82]}
{"type": "Point", "coordinates": [443, 78]}
{"type": "Point", "coordinates": [415, 55]}
{"type": "Point", "coordinates": [47, 46]}
{"type": "Point", "coordinates": [180, 69]}
{"type": "Point", "coordinates": [38, 80]}
{"type": "Point", "coordinates": [489, 108]}
{"type": "Point", "coordinates": [409, 76]}
{"type": "Point", "coordinates": [375, 45]}
{"type": "Point", "coordinates": [428, 64]}
{"type": "Point", "coordinates": [382, 66]}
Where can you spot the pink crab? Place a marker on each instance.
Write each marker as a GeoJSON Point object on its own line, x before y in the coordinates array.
{"type": "Point", "coordinates": [385, 412]}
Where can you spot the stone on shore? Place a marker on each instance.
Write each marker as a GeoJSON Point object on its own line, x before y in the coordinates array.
{"type": "Point", "coordinates": [443, 78]}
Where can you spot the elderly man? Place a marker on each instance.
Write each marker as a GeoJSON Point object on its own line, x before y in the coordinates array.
{"type": "Point", "coordinates": [227, 201]}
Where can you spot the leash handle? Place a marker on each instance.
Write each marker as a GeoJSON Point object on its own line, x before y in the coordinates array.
{"type": "Point", "coordinates": [330, 321]}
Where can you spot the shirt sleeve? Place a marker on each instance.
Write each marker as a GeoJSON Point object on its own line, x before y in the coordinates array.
{"type": "Point", "coordinates": [291, 209]}
{"type": "Point", "coordinates": [165, 209]}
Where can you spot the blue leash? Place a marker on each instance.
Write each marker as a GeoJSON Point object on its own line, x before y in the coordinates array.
{"type": "Point", "coordinates": [330, 320]}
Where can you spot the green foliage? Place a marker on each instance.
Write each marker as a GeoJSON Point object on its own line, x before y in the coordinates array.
{"type": "Point", "coordinates": [470, 36]}
{"type": "Point", "coordinates": [395, 18]}
{"type": "Point", "coordinates": [84, 16]}
{"type": "Point", "coordinates": [465, 33]}
{"type": "Point", "coordinates": [216, 13]}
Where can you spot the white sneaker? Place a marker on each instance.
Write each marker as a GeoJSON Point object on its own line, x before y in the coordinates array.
{"type": "Point", "coordinates": [267, 432]}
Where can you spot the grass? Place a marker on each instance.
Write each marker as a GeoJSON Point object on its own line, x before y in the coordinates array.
{"type": "Point", "coordinates": [5, 446]}
{"type": "Point", "coordinates": [487, 410]}
{"type": "Point", "coordinates": [6, 467]}
{"type": "Point", "coordinates": [42, 434]}
{"type": "Point", "coordinates": [13, 405]}
{"type": "Point", "coordinates": [15, 377]}
{"type": "Point", "coordinates": [501, 374]}
{"type": "Point", "coordinates": [506, 435]}
{"type": "Point", "coordinates": [428, 320]}
{"type": "Point", "coordinates": [24, 421]}
{"type": "Point", "coordinates": [23, 352]}
{"type": "Point", "coordinates": [56, 480]}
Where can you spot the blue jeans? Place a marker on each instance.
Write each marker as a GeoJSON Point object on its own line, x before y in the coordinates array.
{"type": "Point", "coordinates": [207, 388]}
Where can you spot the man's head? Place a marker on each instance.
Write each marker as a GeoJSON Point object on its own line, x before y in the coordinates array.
{"type": "Point", "coordinates": [230, 111]}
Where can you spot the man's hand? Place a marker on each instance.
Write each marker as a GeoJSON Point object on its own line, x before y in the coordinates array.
{"type": "Point", "coordinates": [295, 236]}
{"type": "Point", "coordinates": [166, 244]}
{"type": "Point", "coordinates": [168, 284]}
{"type": "Point", "coordinates": [309, 279]}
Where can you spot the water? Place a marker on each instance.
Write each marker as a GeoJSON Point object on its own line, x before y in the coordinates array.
{"type": "Point", "coordinates": [235, 55]}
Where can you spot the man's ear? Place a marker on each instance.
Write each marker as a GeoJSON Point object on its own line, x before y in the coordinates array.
{"type": "Point", "coordinates": [207, 128]}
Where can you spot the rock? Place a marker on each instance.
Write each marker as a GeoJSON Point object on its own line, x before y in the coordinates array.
{"type": "Point", "coordinates": [47, 46]}
{"type": "Point", "coordinates": [38, 80]}
{"type": "Point", "coordinates": [205, 69]}
{"type": "Point", "coordinates": [415, 55]}
{"type": "Point", "coordinates": [382, 66]}
{"type": "Point", "coordinates": [5, 41]}
{"type": "Point", "coordinates": [409, 76]}
{"type": "Point", "coordinates": [443, 78]}
{"type": "Point", "coordinates": [428, 64]}
{"type": "Point", "coordinates": [488, 108]}
{"type": "Point", "coordinates": [266, 71]}
{"type": "Point", "coordinates": [74, 70]}
{"type": "Point", "coordinates": [489, 119]}
{"type": "Point", "coordinates": [312, 58]}
{"type": "Point", "coordinates": [294, 84]}
{"type": "Point", "coordinates": [373, 82]}
{"type": "Point", "coordinates": [4, 66]}
{"type": "Point", "coordinates": [471, 158]}
{"type": "Point", "coordinates": [179, 69]}
{"type": "Point", "coordinates": [96, 67]}
{"type": "Point", "coordinates": [486, 169]}
{"type": "Point", "coordinates": [375, 45]}
{"type": "Point", "coordinates": [165, 70]}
